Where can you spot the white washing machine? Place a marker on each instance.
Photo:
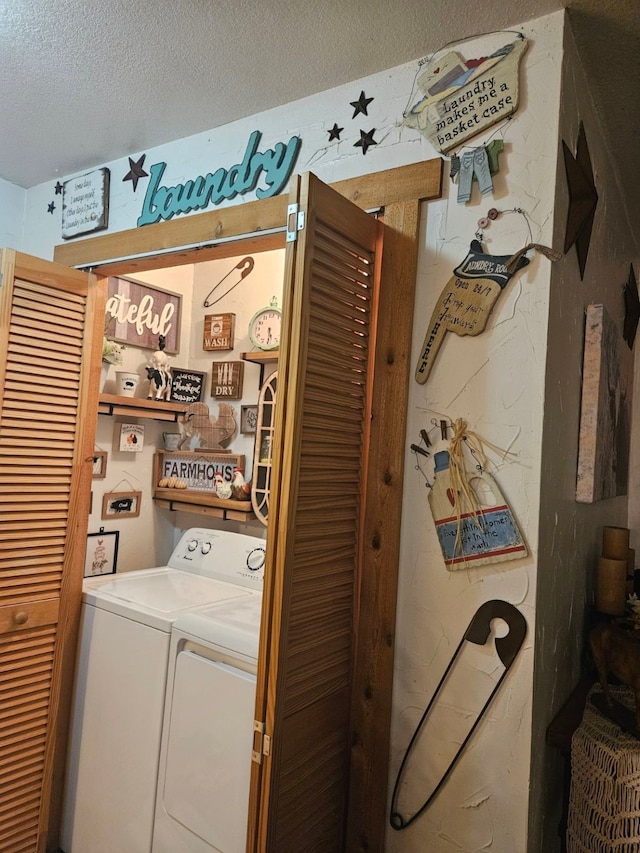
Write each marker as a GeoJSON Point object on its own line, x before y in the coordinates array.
{"type": "Point", "coordinates": [121, 677]}
{"type": "Point", "coordinates": [207, 736]}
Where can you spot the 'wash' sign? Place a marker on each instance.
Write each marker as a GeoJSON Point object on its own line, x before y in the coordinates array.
{"type": "Point", "coordinates": [272, 167]}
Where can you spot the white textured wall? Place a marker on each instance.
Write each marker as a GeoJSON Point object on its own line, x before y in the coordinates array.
{"type": "Point", "coordinates": [495, 382]}
{"type": "Point", "coordinates": [12, 204]}
{"type": "Point", "coordinates": [570, 532]}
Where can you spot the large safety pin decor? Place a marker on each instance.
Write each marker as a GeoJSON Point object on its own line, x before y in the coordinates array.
{"type": "Point", "coordinates": [245, 266]}
{"type": "Point", "coordinates": [507, 648]}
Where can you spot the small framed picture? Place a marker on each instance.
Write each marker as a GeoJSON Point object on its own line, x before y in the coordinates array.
{"type": "Point", "coordinates": [248, 419]}
{"type": "Point", "coordinates": [99, 464]}
{"type": "Point", "coordinates": [131, 438]}
{"type": "Point", "coordinates": [121, 504]}
{"type": "Point", "coordinates": [102, 553]}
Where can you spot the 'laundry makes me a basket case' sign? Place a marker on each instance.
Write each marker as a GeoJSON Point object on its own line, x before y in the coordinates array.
{"type": "Point", "coordinates": [460, 98]}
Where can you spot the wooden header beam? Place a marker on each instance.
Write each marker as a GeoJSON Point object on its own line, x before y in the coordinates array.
{"type": "Point", "coordinates": [418, 181]}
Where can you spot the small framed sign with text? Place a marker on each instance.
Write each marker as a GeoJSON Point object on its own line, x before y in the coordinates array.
{"type": "Point", "coordinates": [186, 385]}
{"type": "Point", "coordinates": [226, 380]}
{"type": "Point", "coordinates": [121, 504]}
{"type": "Point", "coordinates": [85, 204]}
{"type": "Point", "coordinates": [137, 313]}
{"type": "Point", "coordinates": [218, 332]}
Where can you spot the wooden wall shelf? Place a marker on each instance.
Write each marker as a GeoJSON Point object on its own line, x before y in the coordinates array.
{"type": "Point", "coordinates": [181, 500]}
{"type": "Point", "coordinates": [261, 356]}
{"type": "Point", "coordinates": [137, 407]}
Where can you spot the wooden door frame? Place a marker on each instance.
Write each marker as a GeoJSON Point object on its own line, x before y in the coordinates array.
{"type": "Point", "coordinates": [259, 226]}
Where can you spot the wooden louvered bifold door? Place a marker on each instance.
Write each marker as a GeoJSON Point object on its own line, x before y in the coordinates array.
{"type": "Point", "coordinates": [47, 342]}
{"type": "Point", "coordinates": [322, 420]}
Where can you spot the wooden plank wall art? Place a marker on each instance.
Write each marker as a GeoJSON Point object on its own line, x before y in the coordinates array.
{"type": "Point", "coordinates": [605, 416]}
{"type": "Point", "coordinates": [208, 431]}
{"type": "Point", "coordinates": [226, 379]}
{"type": "Point", "coordinates": [139, 314]}
{"type": "Point", "coordinates": [217, 332]}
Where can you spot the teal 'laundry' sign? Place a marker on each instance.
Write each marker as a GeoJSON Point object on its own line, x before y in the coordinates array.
{"type": "Point", "coordinates": [271, 167]}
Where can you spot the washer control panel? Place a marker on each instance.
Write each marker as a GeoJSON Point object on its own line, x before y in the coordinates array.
{"type": "Point", "coordinates": [231, 557]}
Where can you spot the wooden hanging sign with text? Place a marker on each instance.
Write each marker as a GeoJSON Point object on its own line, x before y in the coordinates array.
{"type": "Point", "coordinates": [458, 98]}
{"type": "Point", "coordinates": [218, 332]}
{"type": "Point", "coordinates": [226, 379]}
{"type": "Point", "coordinates": [466, 301]}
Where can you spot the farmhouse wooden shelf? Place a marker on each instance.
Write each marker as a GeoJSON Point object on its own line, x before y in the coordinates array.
{"type": "Point", "coordinates": [182, 500]}
{"type": "Point", "coordinates": [261, 357]}
{"type": "Point", "coordinates": [137, 407]}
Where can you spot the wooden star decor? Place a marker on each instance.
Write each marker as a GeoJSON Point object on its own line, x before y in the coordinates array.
{"type": "Point", "coordinates": [136, 171]}
{"type": "Point", "coordinates": [51, 207]}
{"type": "Point", "coordinates": [59, 188]}
{"type": "Point", "coordinates": [583, 199]}
{"type": "Point", "coordinates": [334, 132]}
{"type": "Point", "coordinates": [631, 309]}
{"type": "Point", "coordinates": [366, 140]}
{"type": "Point", "coordinates": [361, 105]}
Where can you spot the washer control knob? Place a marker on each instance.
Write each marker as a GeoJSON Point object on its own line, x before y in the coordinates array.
{"type": "Point", "coordinates": [255, 560]}
{"type": "Point", "coordinates": [205, 547]}
{"type": "Point", "coordinates": [192, 544]}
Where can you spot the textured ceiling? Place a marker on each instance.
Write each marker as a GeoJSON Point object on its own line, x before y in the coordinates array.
{"type": "Point", "coordinates": [84, 82]}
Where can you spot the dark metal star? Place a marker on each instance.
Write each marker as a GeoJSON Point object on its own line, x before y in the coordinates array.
{"type": "Point", "coordinates": [136, 171]}
{"type": "Point", "coordinates": [51, 207]}
{"type": "Point", "coordinates": [361, 105]}
{"type": "Point", "coordinates": [59, 188]}
{"type": "Point", "coordinates": [583, 199]}
{"type": "Point", "coordinates": [335, 132]}
{"type": "Point", "coordinates": [366, 140]}
{"type": "Point", "coordinates": [631, 309]}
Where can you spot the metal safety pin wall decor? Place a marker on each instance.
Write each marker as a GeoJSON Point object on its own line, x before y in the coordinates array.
{"type": "Point", "coordinates": [507, 649]}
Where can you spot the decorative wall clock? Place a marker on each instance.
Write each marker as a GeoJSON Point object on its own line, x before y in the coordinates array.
{"type": "Point", "coordinates": [264, 327]}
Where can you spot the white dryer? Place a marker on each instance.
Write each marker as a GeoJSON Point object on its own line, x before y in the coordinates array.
{"type": "Point", "coordinates": [112, 770]}
{"type": "Point", "coordinates": [207, 736]}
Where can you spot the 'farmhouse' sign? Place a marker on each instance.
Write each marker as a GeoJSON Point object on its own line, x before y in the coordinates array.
{"type": "Point", "coordinates": [197, 471]}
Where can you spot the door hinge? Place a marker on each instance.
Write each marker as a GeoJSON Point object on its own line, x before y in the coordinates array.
{"type": "Point", "coordinates": [261, 742]}
{"type": "Point", "coordinates": [295, 222]}
{"type": "Point", "coordinates": [1, 278]}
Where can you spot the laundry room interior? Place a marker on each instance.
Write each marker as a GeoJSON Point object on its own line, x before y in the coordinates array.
{"type": "Point", "coordinates": [228, 288]}
{"type": "Point", "coordinates": [319, 446]}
